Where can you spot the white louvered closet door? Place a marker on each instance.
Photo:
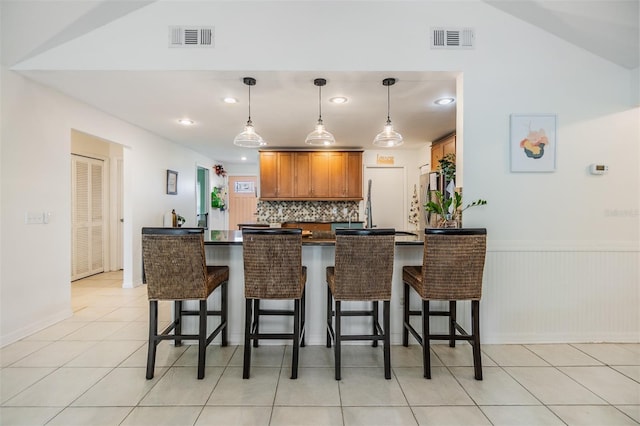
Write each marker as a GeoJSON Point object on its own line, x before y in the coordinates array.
{"type": "Point", "coordinates": [87, 245]}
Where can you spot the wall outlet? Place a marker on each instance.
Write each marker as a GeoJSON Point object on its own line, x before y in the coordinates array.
{"type": "Point", "coordinates": [32, 218]}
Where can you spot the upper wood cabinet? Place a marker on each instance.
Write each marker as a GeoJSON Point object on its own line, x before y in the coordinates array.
{"type": "Point", "coordinates": [276, 174]}
{"type": "Point", "coordinates": [310, 175]}
{"type": "Point", "coordinates": [440, 148]}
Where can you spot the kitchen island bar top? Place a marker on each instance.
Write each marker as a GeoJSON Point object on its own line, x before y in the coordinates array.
{"type": "Point", "coordinates": [231, 237]}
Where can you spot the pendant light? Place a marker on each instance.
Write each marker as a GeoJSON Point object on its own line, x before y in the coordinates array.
{"type": "Point", "coordinates": [249, 138]}
{"type": "Point", "coordinates": [388, 137]}
{"type": "Point", "coordinates": [320, 136]}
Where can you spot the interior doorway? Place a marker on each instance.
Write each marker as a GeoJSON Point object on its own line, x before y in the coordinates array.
{"type": "Point", "coordinates": [388, 196]}
{"type": "Point", "coordinates": [243, 200]}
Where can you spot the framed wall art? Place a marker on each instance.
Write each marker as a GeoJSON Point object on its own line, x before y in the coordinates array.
{"type": "Point", "coordinates": [172, 182]}
{"type": "Point", "coordinates": [532, 142]}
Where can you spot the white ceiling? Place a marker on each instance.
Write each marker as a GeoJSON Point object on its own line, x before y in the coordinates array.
{"type": "Point", "coordinates": [284, 105]}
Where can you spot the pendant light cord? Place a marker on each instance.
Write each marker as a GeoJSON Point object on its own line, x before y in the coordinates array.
{"type": "Point", "coordinates": [388, 105]}
{"type": "Point", "coordinates": [249, 121]}
{"type": "Point", "coordinates": [320, 104]}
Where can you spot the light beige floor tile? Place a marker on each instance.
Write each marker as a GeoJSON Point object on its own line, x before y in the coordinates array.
{"type": "Point", "coordinates": [180, 386]}
{"type": "Point", "coordinates": [361, 356]}
{"type": "Point", "coordinates": [59, 388]}
{"type": "Point", "coordinates": [95, 331]}
{"type": "Point", "coordinates": [610, 385]}
{"type": "Point", "coordinates": [310, 356]}
{"type": "Point", "coordinates": [105, 354]}
{"type": "Point", "coordinates": [263, 356]}
{"type": "Point", "coordinates": [314, 386]}
{"type": "Point", "coordinates": [26, 416]}
{"type": "Point", "coordinates": [551, 386]}
{"type": "Point", "coordinates": [127, 314]}
{"type": "Point", "coordinates": [166, 355]}
{"type": "Point", "coordinates": [634, 347]}
{"type": "Point", "coordinates": [631, 371]}
{"type": "Point", "coordinates": [306, 416]}
{"type": "Point", "coordinates": [162, 416]}
{"type": "Point", "coordinates": [368, 387]}
{"type": "Point", "coordinates": [15, 380]}
{"type": "Point", "coordinates": [134, 330]}
{"type": "Point", "coordinates": [57, 331]}
{"type": "Point", "coordinates": [596, 415]}
{"type": "Point", "coordinates": [460, 356]}
{"type": "Point", "coordinates": [18, 350]}
{"type": "Point", "coordinates": [513, 356]}
{"type": "Point", "coordinates": [450, 416]}
{"type": "Point", "coordinates": [86, 313]}
{"type": "Point", "coordinates": [217, 356]}
{"type": "Point", "coordinates": [496, 388]}
{"type": "Point", "coordinates": [441, 389]}
{"type": "Point", "coordinates": [56, 354]}
{"type": "Point", "coordinates": [521, 416]}
{"type": "Point", "coordinates": [632, 411]}
{"type": "Point", "coordinates": [563, 355]}
{"type": "Point", "coordinates": [94, 416]}
{"type": "Point", "coordinates": [382, 416]}
{"type": "Point", "coordinates": [610, 353]}
{"type": "Point", "coordinates": [122, 387]}
{"type": "Point", "coordinates": [411, 356]}
{"type": "Point", "coordinates": [259, 390]}
{"type": "Point", "coordinates": [234, 416]}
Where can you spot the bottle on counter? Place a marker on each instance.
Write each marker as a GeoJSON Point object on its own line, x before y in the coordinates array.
{"type": "Point", "coordinates": [174, 218]}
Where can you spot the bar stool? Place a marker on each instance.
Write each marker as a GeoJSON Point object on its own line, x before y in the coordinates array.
{"type": "Point", "coordinates": [451, 270]}
{"type": "Point", "coordinates": [174, 268]}
{"type": "Point", "coordinates": [273, 270]}
{"type": "Point", "coordinates": [362, 272]}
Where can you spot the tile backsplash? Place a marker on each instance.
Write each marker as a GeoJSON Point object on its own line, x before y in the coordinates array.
{"type": "Point", "coordinates": [284, 211]}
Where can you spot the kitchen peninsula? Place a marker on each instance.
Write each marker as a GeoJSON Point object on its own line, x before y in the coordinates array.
{"type": "Point", "coordinates": [225, 248]}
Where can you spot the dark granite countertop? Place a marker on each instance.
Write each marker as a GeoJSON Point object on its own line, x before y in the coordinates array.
{"type": "Point", "coordinates": [226, 238]}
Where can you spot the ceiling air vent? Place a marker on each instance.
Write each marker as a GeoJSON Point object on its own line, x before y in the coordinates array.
{"type": "Point", "coordinates": [453, 38]}
{"type": "Point", "coordinates": [184, 36]}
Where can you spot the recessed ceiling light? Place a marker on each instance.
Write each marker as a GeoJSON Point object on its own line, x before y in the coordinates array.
{"type": "Point", "coordinates": [243, 158]}
{"type": "Point", "coordinates": [186, 121]}
{"type": "Point", "coordinates": [230, 100]}
{"type": "Point", "coordinates": [338, 100]}
{"type": "Point", "coordinates": [444, 101]}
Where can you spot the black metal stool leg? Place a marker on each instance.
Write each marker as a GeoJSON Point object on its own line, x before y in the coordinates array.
{"type": "Point", "coordinates": [387, 339]}
{"type": "Point", "coordinates": [303, 314]}
{"type": "Point", "coordinates": [452, 323]}
{"type": "Point", "coordinates": [296, 338]}
{"type": "Point", "coordinates": [202, 338]}
{"type": "Point", "coordinates": [405, 310]}
{"type": "Point", "coordinates": [375, 311]}
{"type": "Point", "coordinates": [224, 310]}
{"type": "Point", "coordinates": [426, 355]}
{"type": "Point", "coordinates": [256, 320]}
{"type": "Point", "coordinates": [247, 339]}
{"type": "Point", "coordinates": [477, 357]}
{"type": "Point", "coordinates": [337, 342]}
{"type": "Point", "coordinates": [329, 316]}
{"type": "Point", "coordinates": [177, 315]}
{"type": "Point", "coordinates": [153, 332]}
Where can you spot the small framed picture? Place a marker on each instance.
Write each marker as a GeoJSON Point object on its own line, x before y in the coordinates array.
{"type": "Point", "coordinates": [172, 182]}
{"type": "Point", "coordinates": [532, 142]}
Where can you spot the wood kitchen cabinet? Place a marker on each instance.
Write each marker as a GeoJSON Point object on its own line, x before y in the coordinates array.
{"type": "Point", "coordinates": [311, 175]}
{"type": "Point", "coordinates": [276, 174]}
{"type": "Point", "coordinates": [440, 148]}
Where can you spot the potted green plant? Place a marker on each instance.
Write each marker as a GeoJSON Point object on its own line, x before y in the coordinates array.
{"type": "Point", "coordinates": [449, 209]}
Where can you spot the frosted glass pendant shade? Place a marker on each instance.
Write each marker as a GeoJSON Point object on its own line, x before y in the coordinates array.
{"type": "Point", "coordinates": [388, 137]}
{"type": "Point", "coordinates": [249, 138]}
{"type": "Point", "coordinates": [320, 136]}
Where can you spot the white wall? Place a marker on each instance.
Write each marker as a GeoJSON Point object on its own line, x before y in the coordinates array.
{"type": "Point", "coordinates": [563, 216]}
{"type": "Point", "coordinates": [36, 134]}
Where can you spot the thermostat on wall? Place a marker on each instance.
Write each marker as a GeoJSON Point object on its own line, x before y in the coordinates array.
{"type": "Point", "coordinates": [598, 169]}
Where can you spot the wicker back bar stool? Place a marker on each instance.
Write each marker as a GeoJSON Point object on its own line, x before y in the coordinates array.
{"type": "Point", "coordinates": [175, 269]}
{"type": "Point", "coordinates": [363, 271]}
{"type": "Point", "coordinates": [451, 270]}
{"type": "Point", "coordinates": [273, 270]}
